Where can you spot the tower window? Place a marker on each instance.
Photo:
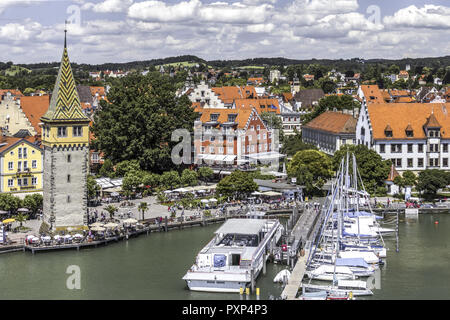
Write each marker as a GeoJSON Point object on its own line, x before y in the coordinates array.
{"type": "Point", "coordinates": [68, 178]}
{"type": "Point", "coordinates": [62, 132]}
{"type": "Point", "coordinates": [68, 199]}
{"type": "Point", "coordinates": [69, 158]}
{"type": "Point", "coordinates": [77, 131]}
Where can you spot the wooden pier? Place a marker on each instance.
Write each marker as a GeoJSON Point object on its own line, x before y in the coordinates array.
{"type": "Point", "coordinates": [302, 232]}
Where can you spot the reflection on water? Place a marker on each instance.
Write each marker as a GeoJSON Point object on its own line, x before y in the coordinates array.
{"type": "Point", "coordinates": [151, 267]}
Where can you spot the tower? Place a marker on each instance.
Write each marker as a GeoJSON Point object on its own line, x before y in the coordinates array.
{"type": "Point", "coordinates": [65, 140]}
{"type": "Point", "coordinates": [295, 87]}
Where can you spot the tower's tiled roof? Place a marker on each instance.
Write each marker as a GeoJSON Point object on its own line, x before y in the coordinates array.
{"type": "Point", "coordinates": [65, 103]}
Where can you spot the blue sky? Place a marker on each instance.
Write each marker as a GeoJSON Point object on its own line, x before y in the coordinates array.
{"type": "Point", "coordinates": [128, 30]}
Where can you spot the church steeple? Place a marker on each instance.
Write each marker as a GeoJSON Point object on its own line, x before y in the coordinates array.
{"type": "Point", "coordinates": [65, 103]}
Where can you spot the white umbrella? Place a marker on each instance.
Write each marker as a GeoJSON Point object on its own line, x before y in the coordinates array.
{"type": "Point", "coordinates": [96, 224]}
{"type": "Point", "coordinates": [67, 236]}
{"type": "Point", "coordinates": [30, 236]}
{"type": "Point", "coordinates": [130, 220]}
{"type": "Point", "coordinates": [57, 237]}
{"type": "Point", "coordinates": [22, 210]}
{"type": "Point", "coordinates": [46, 238]}
{"type": "Point", "coordinates": [204, 200]}
{"type": "Point", "coordinates": [78, 235]}
{"type": "Point", "coordinates": [213, 200]}
{"type": "Point", "coordinates": [34, 239]}
{"type": "Point", "coordinates": [98, 229]}
{"type": "Point", "coordinates": [111, 225]}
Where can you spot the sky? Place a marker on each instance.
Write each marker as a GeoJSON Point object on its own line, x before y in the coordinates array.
{"type": "Point", "coordinates": [101, 31]}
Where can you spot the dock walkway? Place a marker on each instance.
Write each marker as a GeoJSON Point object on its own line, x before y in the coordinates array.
{"type": "Point", "coordinates": [302, 232]}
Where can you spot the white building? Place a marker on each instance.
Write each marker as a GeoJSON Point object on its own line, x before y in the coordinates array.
{"type": "Point", "coordinates": [414, 136]}
{"type": "Point", "coordinates": [329, 131]}
{"type": "Point", "coordinates": [274, 75]}
{"type": "Point", "coordinates": [202, 93]}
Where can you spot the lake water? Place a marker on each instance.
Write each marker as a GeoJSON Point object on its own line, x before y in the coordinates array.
{"type": "Point", "coordinates": [151, 267]}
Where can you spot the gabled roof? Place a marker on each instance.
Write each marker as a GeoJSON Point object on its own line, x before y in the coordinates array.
{"type": "Point", "coordinates": [14, 92]}
{"type": "Point", "coordinates": [261, 105]}
{"type": "Point", "coordinates": [7, 143]}
{"type": "Point", "coordinates": [308, 96]}
{"type": "Point", "coordinates": [230, 93]}
{"type": "Point", "coordinates": [393, 173]}
{"type": "Point", "coordinates": [34, 108]}
{"type": "Point", "coordinates": [241, 118]}
{"type": "Point", "coordinates": [372, 93]}
{"type": "Point", "coordinates": [432, 122]}
{"type": "Point", "coordinates": [334, 122]}
{"type": "Point", "coordinates": [409, 127]}
{"type": "Point", "coordinates": [84, 92]}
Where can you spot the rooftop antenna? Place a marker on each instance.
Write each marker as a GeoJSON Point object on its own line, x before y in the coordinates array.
{"type": "Point", "coordinates": [65, 33]}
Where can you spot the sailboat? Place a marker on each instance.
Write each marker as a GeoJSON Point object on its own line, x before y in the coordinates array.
{"type": "Point", "coordinates": [349, 245]}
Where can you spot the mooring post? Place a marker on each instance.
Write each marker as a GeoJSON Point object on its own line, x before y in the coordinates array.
{"type": "Point", "coordinates": [264, 263]}
{"type": "Point", "coordinates": [252, 277]}
{"type": "Point", "coordinates": [397, 249]}
{"type": "Point", "coordinates": [165, 222]}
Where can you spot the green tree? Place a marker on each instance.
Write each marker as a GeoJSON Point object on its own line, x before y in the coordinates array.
{"type": "Point", "coordinates": [312, 168]}
{"type": "Point", "coordinates": [107, 169]}
{"type": "Point", "coordinates": [430, 181]}
{"type": "Point", "coordinates": [343, 102]}
{"type": "Point", "coordinates": [407, 179]}
{"type": "Point", "coordinates": [138, 120]}
{"type": "Point", "coordinates": [205, 173]}
{"type": "Point", "coordinates": [372, 168]}
{"type": "Point", "coordinates": [93, 187]}
{"type": "Point", "coordinates": [294, 143]}
{"type": "Point", "coordinates": [153, 180]}
{"type": "Point", "coordinates": [111, 210]}
{"type": "Point", "coordinates": [132, 180]}
{"type": "Point", "coordinates": [123, 167]}
{"type": "Point", "coordinates": [238, 184]}
{"type": "Point", "coordinates": [9, 203]}
{"type": "Point", "coordinates": [170, 179]}
{"type": "Point", "coordinates": [189, 177]}
{"type": "Point", "coordinates": [21, 218]}
{"type": "Point", "coordinates": [143, 207]}
{"type": "Point", "coordinates": [328, 86]}
{"type": "Point", "coordinates": [33, 202]}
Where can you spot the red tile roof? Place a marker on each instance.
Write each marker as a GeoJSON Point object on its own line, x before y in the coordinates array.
{"type": "Point", "coordinates": [401, 115]}
{"type": "Point", "coordinates": [34, 108]}
{"type": "Point", "coordinates": [334, 122]}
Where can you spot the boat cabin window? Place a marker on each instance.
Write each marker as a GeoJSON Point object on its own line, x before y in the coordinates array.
{"type": "Point", "coordinates": [241, 240]}
{"type": "Point", "coordinates": [235, 259]}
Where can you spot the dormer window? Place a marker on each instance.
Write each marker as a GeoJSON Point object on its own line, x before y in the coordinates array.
{"type": "Point", "coordinates": [388, 131]}
{"type": "Point", "coordinates": [409, 131]}
{"type": "Point", "coordinates": [232, 117]}
{"type": "Point", "coordinates": [214, 117]}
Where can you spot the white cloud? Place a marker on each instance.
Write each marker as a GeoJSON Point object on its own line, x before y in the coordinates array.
{"type": "Point", "coordinates": [429, 16]}
{"type": "Point", "coordinates": [108, 6]}
{"type": "Point", "coordinates": [261, 28]}
{"type": "Point", "coordinates": [196, 11]}
{"type": "Point", "coordinates": [159, 11]}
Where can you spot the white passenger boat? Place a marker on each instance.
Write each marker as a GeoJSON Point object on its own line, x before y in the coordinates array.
{"type": "Point", "coordinates": [235, 256]}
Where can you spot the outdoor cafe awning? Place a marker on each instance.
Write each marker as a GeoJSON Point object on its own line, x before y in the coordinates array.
{"type": "Point", "coordinates": [272, 155]}
{"type": "Point", "coordinates": [272, 194]}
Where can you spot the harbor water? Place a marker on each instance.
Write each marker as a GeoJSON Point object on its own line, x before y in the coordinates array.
{"type": "Point", "coordinates": [151, 267]}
